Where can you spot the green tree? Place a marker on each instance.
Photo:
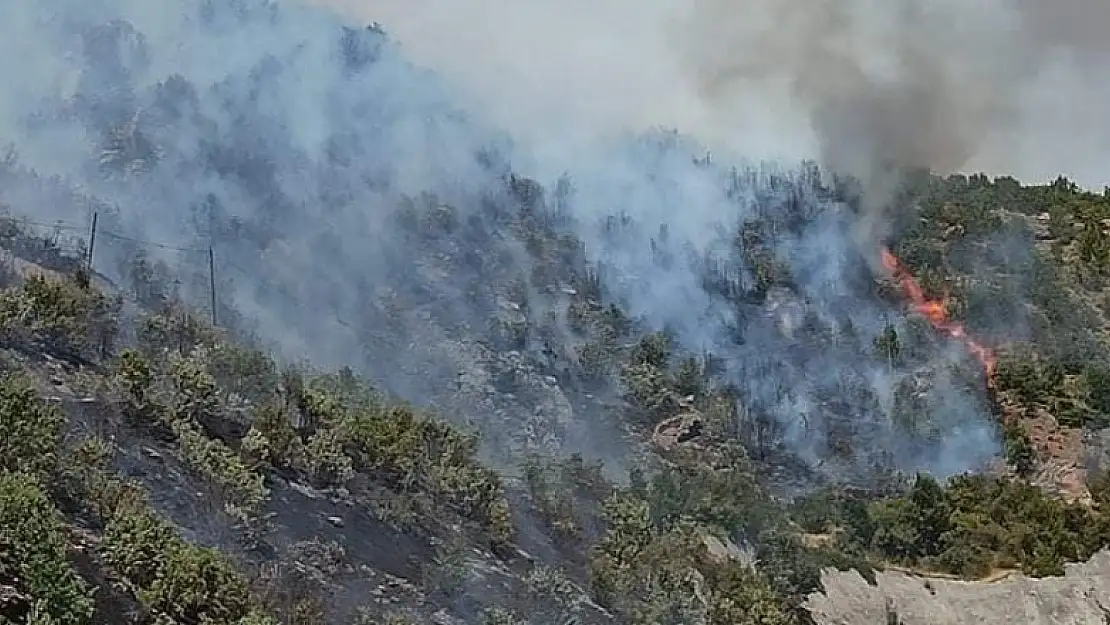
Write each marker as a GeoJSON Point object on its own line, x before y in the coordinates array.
{"type": "Point", "coordinates": [931, 512]}
{"type": "Point", "coordinates": [911, 528]}
{"type": "Point", "coordinates": [888, 347]}
{"type": "Point", "coordinates": [654, 349]}
{"type": "Point", "coordinates": [1018, 448]}
{"type": "Point", "coordinates": [743, 597]}
{"type": "Point", "coordinates": [1094, 246]}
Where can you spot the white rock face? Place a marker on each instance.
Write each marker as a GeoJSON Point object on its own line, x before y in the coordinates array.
{"type": "Point", "coordinates": [1081, 597]}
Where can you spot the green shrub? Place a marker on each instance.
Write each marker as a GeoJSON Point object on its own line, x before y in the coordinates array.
{"type": "Point", "coordinates": [30, 429]}
{"type": "Point", "coordinates": [89, 480]}
{"type": "Point", "coordinates": [247, 372]}
{"type": "Point", "coordinates": [595, 359]}
{"type": "Point", "coordinates": [743, 597]}
{"type": "Point", "coordinates": [410, 451]}
{"type": "Point", "coordinates": [33, 548]}
{"type": "Point", "coordinates": [59, 315]}
{"type": "Point", "coordinates": [346, 391]}
{"type": "Point", "coordinates": [653, 349]}
{"type": "Point", "coordinates": [272, 438]}
{"type": "Point", "coordinates": [192, 398]}
{"type": "Point", "coordinates": [221, 466]}
{"type": "Point", "coordinates": [818, 512]}
{"type": "Point", "coordinates": [649, 392]}
{"type": "Point", "coordinates": [135, 544]}
{"type": "Point", "coordinates": [327, 461]}
{"type": "Point", "coordinates": [175, 330]}
{"type": "Point", "coordinates": [198, 585]}
{"type": "Point", "coordinates": [566, 493]}
{"type": "Point", "coordinates": [172, 577]}
{"type": "Point", "coordinates": [136, 377]}
{"type": "Point", "coordinates": [648, 576]}
{"type": "Point", "coordinates": [977, 523]}
{"type": "Point", "coordinates": [727, 498]}
{"type": "Point", "coordinates": [1034, 380]}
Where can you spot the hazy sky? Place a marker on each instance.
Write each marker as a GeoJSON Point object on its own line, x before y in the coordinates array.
{"type": "Point", "coordinates": [1009, 86]}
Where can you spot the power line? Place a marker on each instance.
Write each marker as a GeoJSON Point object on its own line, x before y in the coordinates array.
{"type": "Point", "coordinates": [62, 225]}
{"type": "Point", "coordinates": [94, 231]}
{"type": "Point", "coordinates": [165, 246]}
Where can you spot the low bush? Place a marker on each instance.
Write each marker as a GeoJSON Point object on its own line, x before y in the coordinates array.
{"type": "Point", "coordinates": [172, 577]}
{"type": "Point", "coordinates": [30, 429]}
{"type": "Point", "coordinates": [66, 317]}
{"type": "Point", "coordinates": [33, 555]}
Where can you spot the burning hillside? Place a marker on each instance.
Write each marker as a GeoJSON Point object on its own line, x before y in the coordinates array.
{"type": "Point", "coordinates": [507, 318]}
{"type": "Point", "coordinates": [936, 312]}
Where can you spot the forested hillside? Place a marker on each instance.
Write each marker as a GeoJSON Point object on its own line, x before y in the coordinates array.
{"type": "Point", "coordinates": [334, 352]}
{"type": "Point", "coordinates": [159, 468]}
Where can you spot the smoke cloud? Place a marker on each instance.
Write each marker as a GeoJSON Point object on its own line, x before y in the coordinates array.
{"type": "Point", "coordinates": [290, 141]}
{"type": "Point", "coordinates": [1010, 87]}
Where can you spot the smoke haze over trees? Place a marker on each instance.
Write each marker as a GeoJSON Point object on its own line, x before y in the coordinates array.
{"type": "Point", "coordinates": [772, 325]}
{"type": "Point", "coordinates": [287, 142]}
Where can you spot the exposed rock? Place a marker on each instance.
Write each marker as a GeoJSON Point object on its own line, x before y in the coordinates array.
{"type": "Point", "coordinates": [305, 491]}
{"type": "Point", "coordinates": [723, 550]}
{"type": "Point", "coordinates": [678, 429]}
{"type": "Point", "coordinates": [442, 617]}
{"type": "Point", "coordinates": [1061, 451]}
{"type": "Point", "coordinates": [1080, 597]}
{"type": "Point", "coordinates": [1097, 446]}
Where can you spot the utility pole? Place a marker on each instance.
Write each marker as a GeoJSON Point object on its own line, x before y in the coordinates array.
{"type": "Point", "coordinates": [212, 282]}
{"type": "Point", "coordinates": [92, 240]}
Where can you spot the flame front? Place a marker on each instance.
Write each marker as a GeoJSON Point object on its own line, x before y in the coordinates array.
{"type": "Point", "coordinates": [936, 312]}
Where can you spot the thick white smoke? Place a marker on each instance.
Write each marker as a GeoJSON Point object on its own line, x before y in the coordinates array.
{"type": "Point", "coordinates": [1013, 87]}
{"type": "Point", "coordinates": [286, 142]}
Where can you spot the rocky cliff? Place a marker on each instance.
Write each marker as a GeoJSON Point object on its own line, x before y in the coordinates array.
{"type": "Point", "coordinates": [1080, 597]}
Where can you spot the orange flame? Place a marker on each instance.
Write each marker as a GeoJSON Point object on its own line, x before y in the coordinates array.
{"type": "Point", "coordinates": [935, 312]}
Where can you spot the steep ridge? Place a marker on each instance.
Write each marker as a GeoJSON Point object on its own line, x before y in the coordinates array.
{"type": "Point", "coordinates": [1080, 597]}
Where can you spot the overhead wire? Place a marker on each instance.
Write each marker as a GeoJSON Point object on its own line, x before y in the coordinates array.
{"type": "Point", "coordinates": [62, 225]}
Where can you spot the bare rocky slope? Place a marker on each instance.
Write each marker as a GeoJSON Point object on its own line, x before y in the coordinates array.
{"type": "Point", "coordinates": [1080, 597]}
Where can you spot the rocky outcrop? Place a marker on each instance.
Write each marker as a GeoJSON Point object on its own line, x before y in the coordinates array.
{"type": "Point", "coordinates": [676, 430]}
{"type": "Point", "coordinates": [1080, 597]}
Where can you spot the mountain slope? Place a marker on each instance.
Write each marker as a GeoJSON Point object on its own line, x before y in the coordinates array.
{"type": "Point", "coordinates": [188, 412]}
{"type": "Point", "coordinates": [656, 389]}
